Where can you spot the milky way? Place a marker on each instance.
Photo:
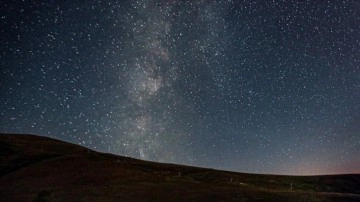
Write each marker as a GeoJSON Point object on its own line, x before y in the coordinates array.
{"type": "Point", "coordinates": [250, 86]}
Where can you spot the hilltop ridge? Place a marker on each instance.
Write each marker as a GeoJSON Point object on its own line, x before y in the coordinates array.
{"type": "Point", "coordinates": [36, 168]}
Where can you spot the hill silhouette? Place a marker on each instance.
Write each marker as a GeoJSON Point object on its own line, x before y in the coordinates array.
{"type": "Point", "coordinates": [35, 168]}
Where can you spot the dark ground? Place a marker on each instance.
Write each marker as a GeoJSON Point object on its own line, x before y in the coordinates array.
{"type": "Point", "coordinates": [34, 168]}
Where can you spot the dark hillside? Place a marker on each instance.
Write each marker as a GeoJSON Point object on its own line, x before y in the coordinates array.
{"type": "Point", "coordinates": [35, 168]}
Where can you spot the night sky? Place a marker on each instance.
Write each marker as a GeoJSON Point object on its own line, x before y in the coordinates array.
{"type": "Point", "coordinates": [250, 86]}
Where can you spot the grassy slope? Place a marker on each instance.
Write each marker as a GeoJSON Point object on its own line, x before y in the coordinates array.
{"type": "Point", "coordinates": [34, 168]}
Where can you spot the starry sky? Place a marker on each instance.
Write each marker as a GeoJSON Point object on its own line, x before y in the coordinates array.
{"type": "Point", "coordinates": [250, 86]}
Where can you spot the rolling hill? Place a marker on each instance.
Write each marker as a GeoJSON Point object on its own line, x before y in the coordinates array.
{"type": "Point", "coordinates": [35, 168]}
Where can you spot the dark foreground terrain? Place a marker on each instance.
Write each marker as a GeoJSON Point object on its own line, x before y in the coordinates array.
{"type": "Point", "coordinates": [34, 168]}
